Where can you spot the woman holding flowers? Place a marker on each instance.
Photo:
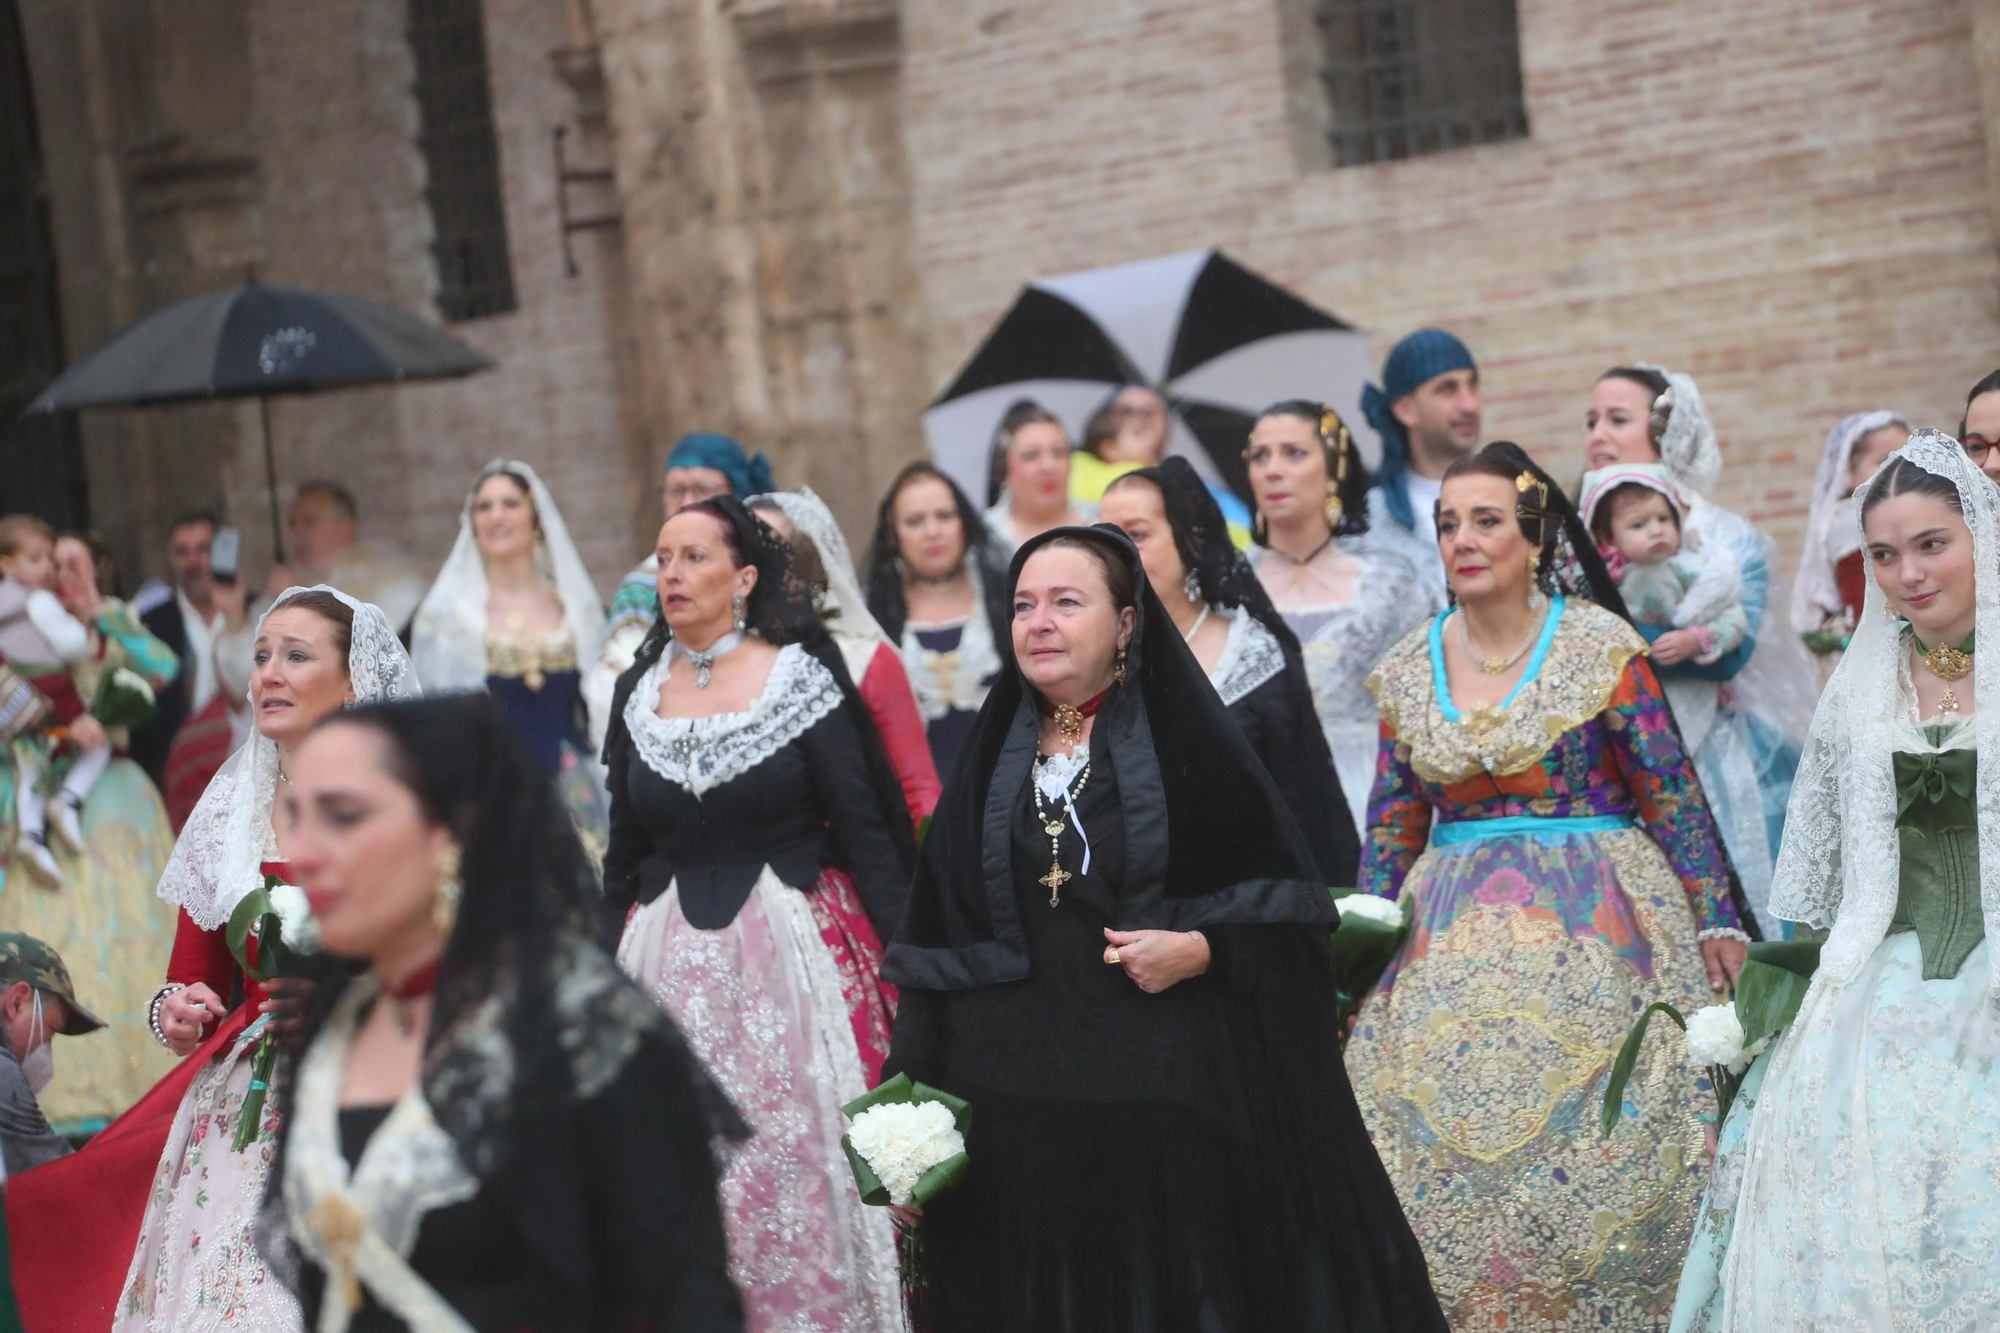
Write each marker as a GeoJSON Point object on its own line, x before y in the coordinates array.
{"type": "Point", "coordinates": [489, 1128]}
{"type": "Point", "coordinates": [1573, 874]}
{"type": "Point", "coordinates": [1116, 951]}
{"type": "Point", "coordinates": [163, 1193]}
{"type": "Point", "coordinates": [1858, 1181]}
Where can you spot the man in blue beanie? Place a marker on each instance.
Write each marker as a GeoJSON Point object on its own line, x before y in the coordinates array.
{"type": "Point", "coordinates": [1427, 413]}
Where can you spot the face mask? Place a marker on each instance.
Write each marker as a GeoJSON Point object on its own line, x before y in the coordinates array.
{"type": "Point", "coordinates": [39, 1068]}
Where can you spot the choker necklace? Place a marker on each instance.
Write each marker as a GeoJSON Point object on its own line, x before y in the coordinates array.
{"type": "Point", "coordinates": [1948, 664]}
{"type": "Point", "coordinates": [1069, 720]}
{"type": "Point", "coordinates": [937, 580]}
{"type": "Point", "coordinates": [1311, 555]}
{"type": "Point", "coordinates": [1495, 666]}
{"type": "Point", "coordinates": [403, 996]}
{"type": "Point", "coordinates": [704, 663]}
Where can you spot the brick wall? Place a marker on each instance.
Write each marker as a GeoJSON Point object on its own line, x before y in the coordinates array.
{"type": "Point", "coordinates": [1786, 199]}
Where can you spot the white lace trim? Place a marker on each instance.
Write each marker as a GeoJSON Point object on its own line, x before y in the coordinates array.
{"type": "Point", "coordinates": [702, 753]}
{"type": "Point", "coordinates": [958, 678]}
{"type": "Point", "coordinates": [1251, 656]}
{"type": "Point", "coordinates": [409, 1168]}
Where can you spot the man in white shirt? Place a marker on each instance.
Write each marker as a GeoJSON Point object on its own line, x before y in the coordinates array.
{"type": "Point", "coordinates": [1427, 412]}
{"type": "Point", "coordinates": [186, 622]}
{"type": "Point", "coordinates": [323, 529]}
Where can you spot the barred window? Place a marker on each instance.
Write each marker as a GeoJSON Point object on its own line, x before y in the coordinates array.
{"type": "Point", "coordinates": [461, 159]}
{"type": "Point", "coordinates": [1408, 77]}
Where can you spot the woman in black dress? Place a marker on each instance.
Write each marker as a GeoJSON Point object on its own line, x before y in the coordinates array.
{"type": "Point", "coordinates": [490, 1127]}
{"type": "Point", "coordinates": [1117, 949]}
{"type": "Point", "coordinates": [761, 846]}
{"type": "Point", "coordinates": [1243, 645]}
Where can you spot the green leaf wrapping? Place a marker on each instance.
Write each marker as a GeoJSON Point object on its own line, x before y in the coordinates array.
{"type": "Point", "coordinates": [1362, 951]}
{"type": "Point", "coordinates": [262, 1062]}
{"type": "Point", "coordinates": [934, 1181]}
{"type": "Point", "coordinates": [1767, 998]}
{"type": "Point", "coordinates": [1628, 1056]}
{"type": "Point", "coordinates": [255, 907]}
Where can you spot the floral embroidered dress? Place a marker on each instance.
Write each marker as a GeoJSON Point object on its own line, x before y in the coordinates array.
{"type": "Point", "coordinates": [1572, 866]}
{"type": "Point", "coordinates": [754, 855]}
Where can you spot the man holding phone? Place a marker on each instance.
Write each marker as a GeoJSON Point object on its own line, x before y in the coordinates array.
{"type": "Point", "coordinates": [187, 622]}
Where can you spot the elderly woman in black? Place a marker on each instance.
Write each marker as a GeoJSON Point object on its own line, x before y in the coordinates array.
{"type": "Point", "coordinates": [1241, 642]}
{"type": "Point", "coordinates": [762, 848]}
{"type": "Point", "coordinates": [1117, 949]}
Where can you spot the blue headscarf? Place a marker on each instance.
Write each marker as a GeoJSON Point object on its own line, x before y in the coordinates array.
{"type": "Point", "coordinates": [748, 474]}
{"type": "Point", "coordinates": [1413, 362]}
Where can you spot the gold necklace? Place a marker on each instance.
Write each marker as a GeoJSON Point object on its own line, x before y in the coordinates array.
{"type": "Point", "coordinates": [1948, 664]}
{"type": "Point", "coordinates": [1495, 665]}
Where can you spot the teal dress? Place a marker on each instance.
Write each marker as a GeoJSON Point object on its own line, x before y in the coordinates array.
{"type": "Point", "coordinates": [1857, 1180]}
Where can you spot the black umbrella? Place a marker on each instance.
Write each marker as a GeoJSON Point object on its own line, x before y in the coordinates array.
{"type": "Point", "coordinates": [1217, 341]}
{"type": "Point", "coordinates": [253, 342]}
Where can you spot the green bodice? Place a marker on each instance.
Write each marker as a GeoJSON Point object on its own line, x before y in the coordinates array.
{"type": "Point", "coordinates": [1938, 830]}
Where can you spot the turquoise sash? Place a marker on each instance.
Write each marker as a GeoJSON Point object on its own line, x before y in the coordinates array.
{"type": "Point", "coordinates": [1547, 830]}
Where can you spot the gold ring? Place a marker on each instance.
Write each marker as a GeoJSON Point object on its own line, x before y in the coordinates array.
{"type": "Point", "coordinates": [1111, 956]}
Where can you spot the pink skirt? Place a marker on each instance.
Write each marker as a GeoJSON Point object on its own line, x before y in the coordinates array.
{"type": "Point", "coordinates": [786, 1008]}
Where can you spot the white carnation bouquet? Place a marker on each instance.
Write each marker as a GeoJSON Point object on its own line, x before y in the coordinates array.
{"type": "Point", "coordinates": [906, 1142]}
{"type": "Point", "coordinates": [278, 917]}
{"type": "Point", "coordinates": [1727, 1037]}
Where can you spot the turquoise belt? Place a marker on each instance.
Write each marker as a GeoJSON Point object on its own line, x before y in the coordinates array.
{"type": "Point", "coordinates": [1526, 826]}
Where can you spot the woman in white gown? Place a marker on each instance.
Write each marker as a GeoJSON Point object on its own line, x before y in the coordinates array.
{"type": "Point", "coordinates": [1348, 594]}
{"type": "Point", "coordinates": [1857, 1184]}
{"type": "Point", "coordinates": [514, 613]}
{"type": "Point", "coordinates": [1744, 716]}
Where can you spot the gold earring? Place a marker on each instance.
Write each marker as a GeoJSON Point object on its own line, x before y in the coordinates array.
{"type": "Point", "coordinates": [444, 905]}
{"type": "Point", "coordinates": [1118, 671]}
{"type": "Point", "coordinates": [1260, 523]}
{"type": "Point", "coordinates": [1334, 509]}
{"type": "Point", "coordinates": [1534, 564]}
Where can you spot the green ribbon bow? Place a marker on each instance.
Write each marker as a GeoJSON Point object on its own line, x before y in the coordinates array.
{"type": "Point", "coordinates": [1933, 780]}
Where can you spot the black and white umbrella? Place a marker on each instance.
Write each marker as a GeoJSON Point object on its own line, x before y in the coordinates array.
{"type": "Point", "coordinates": [1217, 341]}
{"type": "Point", "coordinates": [254, 342]}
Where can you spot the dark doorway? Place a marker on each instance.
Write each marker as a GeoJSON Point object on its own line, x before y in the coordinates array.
{"type": "Point", "coordinates": [41, 459]}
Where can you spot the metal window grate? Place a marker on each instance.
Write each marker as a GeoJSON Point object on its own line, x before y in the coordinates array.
{"type": "Point", "coordinates": [1408, 77]}
{"type": "Point", "coordinates": [461, 159]}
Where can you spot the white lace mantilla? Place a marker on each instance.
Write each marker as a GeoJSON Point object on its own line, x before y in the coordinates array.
{"type": "Point", "coordinates": [1250, 656]}
{"type": "Point", "coordinates": [702, 753]}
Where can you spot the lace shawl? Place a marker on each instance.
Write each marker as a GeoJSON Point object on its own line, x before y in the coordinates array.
{"type": "Point", "coordinates": [1250, 656]}
{"type": "Point", "coordinates": [1586, 658]}
{"type": "Point", "coordinates": [1840, 866]}
{"type": "Point", "coordinates": [215, 860]}
{"type": "Point", "coordinates": [703, 753]}
{"type": "Point", "coordinates": [361, 1223]}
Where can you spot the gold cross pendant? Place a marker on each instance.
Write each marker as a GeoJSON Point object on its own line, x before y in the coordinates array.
{"type": "Point", "coordinates": [1055, 879]}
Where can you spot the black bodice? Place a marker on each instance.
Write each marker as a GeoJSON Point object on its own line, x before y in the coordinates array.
{"type": "Point", "coordinates": [808, 803]}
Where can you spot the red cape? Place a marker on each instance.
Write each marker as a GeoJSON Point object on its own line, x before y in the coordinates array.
{"type": "Point", "coordinates": [73, 1224]}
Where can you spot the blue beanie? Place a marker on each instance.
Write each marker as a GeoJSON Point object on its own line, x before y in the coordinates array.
{"type": "Point", "coordinates": [748, 475]}
{"type": "Point", "coordinates": [1413, 363]}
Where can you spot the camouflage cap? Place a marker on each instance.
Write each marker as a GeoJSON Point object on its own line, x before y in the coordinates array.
{"type": "Point", "coordinates": [25, 958]}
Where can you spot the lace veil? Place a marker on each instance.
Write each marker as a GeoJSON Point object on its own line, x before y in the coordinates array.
{"type": "Point", "coordinates": [846, 613]}
{"type": "Point", "coordinates": [1839, 866]}
{"type": "Point", "coordinates": [448, 638]}
{"type": "Point", "coordinates": [1816, 595]}
{"type": "Point", "coordinates": [216, 858]}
